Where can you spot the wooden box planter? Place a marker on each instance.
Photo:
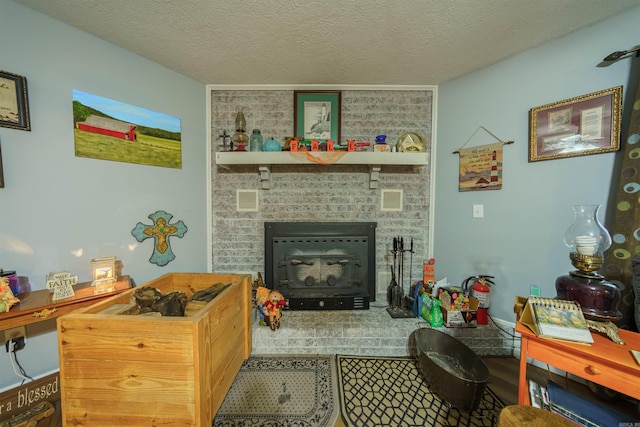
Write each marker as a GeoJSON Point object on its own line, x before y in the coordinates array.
{"type": "Point", "coordinates": [121, 370]}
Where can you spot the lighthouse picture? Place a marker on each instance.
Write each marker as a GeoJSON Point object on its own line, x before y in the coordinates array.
{"type": "Point", "coordinates": [481, 168]}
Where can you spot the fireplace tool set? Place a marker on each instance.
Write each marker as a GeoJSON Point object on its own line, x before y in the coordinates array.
{"type": "Point", "coordinates": [395, 292]}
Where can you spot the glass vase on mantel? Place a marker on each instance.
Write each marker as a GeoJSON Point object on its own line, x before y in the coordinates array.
{"type": "Point", "coordinates": [587, 240]}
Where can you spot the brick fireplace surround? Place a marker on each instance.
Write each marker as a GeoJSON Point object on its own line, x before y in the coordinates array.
{"type": "Point", "coordinates": [320, 193]}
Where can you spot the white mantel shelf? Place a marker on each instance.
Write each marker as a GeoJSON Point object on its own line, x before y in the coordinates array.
{"type": "Point", "coordinates": [225, 158]}
{"type": "Point", "coordinates": [375, 160]}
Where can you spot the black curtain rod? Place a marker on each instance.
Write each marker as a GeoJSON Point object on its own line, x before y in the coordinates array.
{"type": "Point", "coordinates": [620, 53]}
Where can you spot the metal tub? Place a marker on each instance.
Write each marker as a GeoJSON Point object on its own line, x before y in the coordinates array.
{"type": "Point", "coordinates": [452, 370]}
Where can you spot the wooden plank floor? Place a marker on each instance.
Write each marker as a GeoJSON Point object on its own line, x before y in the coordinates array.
{"type": "Point", "coordinates": [504, 382]}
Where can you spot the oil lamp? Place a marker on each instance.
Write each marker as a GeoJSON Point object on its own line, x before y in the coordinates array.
{"type": "Point", "coordinates": [240, 137]}
{"type": "Point", "coordinates": [587, 240]}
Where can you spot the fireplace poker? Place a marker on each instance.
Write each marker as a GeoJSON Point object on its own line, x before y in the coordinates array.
{"type": "Point", "coordinates": [411, 265]}
{"type": "Point", "coordinates": [393, 284]}
{"type": "Point", "coordinates": [396, 289]}
{"type": "Point", "coordinates": [398, 295]}
{"type": "Point", "coordinates": [395, 292]}
{"type": "Point", "coordinates": [401, 263]}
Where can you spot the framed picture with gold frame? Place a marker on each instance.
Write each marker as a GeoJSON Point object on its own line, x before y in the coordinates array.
{"type": "Point", "coordinates": [587, 124]}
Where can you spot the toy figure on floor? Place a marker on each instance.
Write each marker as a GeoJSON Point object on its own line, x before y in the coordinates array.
{"type": "Point", "coordinates": [261, 294]}
{"type": "Point", "coordinates": [270, 304]}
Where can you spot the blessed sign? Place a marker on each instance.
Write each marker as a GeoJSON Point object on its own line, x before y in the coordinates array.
{"type": "Point", "coordinates": [21, 399]}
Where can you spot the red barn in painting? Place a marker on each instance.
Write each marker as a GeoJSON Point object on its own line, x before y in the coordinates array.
{"type": "Point", "coordinates": [108, 127]}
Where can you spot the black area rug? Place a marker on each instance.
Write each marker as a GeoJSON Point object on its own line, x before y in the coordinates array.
{"type": "Point", "coordinates": [377, 391]}
{"type": "Point", "coordinates": [282, 391]}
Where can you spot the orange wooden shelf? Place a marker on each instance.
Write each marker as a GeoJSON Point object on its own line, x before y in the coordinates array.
{"type": "Point", "coordinates": [604, 362]}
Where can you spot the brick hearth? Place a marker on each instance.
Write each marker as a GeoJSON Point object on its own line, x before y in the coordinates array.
{"type": "Point", "coordinates": [363, 332]}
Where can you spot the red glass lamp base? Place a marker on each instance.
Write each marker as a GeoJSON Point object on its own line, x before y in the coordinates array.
{"type": "Point", "coordinates": [598, 298]}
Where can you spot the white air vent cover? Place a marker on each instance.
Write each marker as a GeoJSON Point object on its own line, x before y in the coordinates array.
{"type": "Point", "coordinates": [247, 200]}
{"type": "Point", "coordinates": [391, 200]}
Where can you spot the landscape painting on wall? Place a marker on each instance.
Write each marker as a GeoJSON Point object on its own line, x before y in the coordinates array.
{"type": "Point", "coordinates": [111, 130]}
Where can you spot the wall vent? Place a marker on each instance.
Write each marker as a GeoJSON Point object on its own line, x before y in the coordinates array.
{"type": "Point", "coordinates": [247, 200]}
{"type": "Point", "coordinates": [391, 200]}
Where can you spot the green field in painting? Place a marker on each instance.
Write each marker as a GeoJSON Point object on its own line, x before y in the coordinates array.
{"type": "Point", "coordinates": [147, 150]}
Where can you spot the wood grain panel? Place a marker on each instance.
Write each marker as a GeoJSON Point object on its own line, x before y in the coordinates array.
{"type": "Point", "coordinates": [147, 370]}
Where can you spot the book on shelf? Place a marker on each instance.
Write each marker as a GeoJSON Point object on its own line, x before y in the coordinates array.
{"type": "Point", "coordinates": [538, 396]}
{"type": "Point", "coordinates": [556, 319]}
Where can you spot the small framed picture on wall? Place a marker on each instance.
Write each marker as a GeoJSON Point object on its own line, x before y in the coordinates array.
{"type": "Point", "coordinates": [14, 102]}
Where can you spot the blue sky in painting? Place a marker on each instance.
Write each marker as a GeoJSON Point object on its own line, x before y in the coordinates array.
{"type": "Point", "coordinates": [127, 112]}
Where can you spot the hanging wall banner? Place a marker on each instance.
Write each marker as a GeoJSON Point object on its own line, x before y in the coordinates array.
{"type": "Point", "coordinates": [481, 167]}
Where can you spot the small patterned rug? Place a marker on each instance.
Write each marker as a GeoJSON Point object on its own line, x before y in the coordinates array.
{"type": "Point", "coordinates": [282, 391]}
{"type": "Point", "coordinates": [378, 391]}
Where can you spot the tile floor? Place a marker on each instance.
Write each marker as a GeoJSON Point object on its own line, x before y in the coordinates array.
{"type": "Point", "coordinates": [364, 332]}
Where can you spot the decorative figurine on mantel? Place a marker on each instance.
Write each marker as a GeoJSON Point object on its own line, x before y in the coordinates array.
{"type": "Point", "coordinates": [240, 137]}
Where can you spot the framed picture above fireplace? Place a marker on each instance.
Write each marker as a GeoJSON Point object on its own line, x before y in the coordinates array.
{"type": "Point", "coordinates": [316, 114]}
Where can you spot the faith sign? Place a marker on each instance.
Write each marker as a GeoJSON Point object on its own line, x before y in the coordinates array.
{"type": "Point", "coordinates": [62, 284]}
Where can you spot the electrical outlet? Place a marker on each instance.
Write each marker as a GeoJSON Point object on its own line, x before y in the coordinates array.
{"type": "Point", "coordinates": [18, 344]}
{"type": "Point", "coordinates": [15, 333]}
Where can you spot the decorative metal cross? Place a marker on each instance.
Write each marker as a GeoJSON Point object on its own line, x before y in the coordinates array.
{"type": "Point", "coordinates": [161, 230]}
{"type": "Point", "coordinates": [224, 137]}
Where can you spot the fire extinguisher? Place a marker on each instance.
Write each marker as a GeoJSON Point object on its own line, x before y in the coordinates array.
{"type": "Point", "coordinates": [480, 290]}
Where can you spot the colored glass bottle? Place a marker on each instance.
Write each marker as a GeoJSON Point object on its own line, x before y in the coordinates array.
{"type": "Point", "coordinates": [256, 141]}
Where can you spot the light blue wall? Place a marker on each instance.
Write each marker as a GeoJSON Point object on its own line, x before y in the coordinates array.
{"type": "Point", "coordinates": [55, 205]}
{"type": "Point", "coordinates": [519, 240]}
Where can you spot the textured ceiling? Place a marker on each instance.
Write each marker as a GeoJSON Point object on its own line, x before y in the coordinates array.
{"type": "Point", "coordinates": [332, 42]}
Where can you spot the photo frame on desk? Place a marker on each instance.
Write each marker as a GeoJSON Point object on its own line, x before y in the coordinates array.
{"type": "Point", "coordinates": [587, 124]}
{"type": "Point", "coordinates": [316, 114]}
{"type": "Point", "coordinates": [14, 102]}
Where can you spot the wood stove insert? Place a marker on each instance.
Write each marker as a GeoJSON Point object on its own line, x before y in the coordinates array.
{"type": "Point", "coordinates": [321, 265]}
